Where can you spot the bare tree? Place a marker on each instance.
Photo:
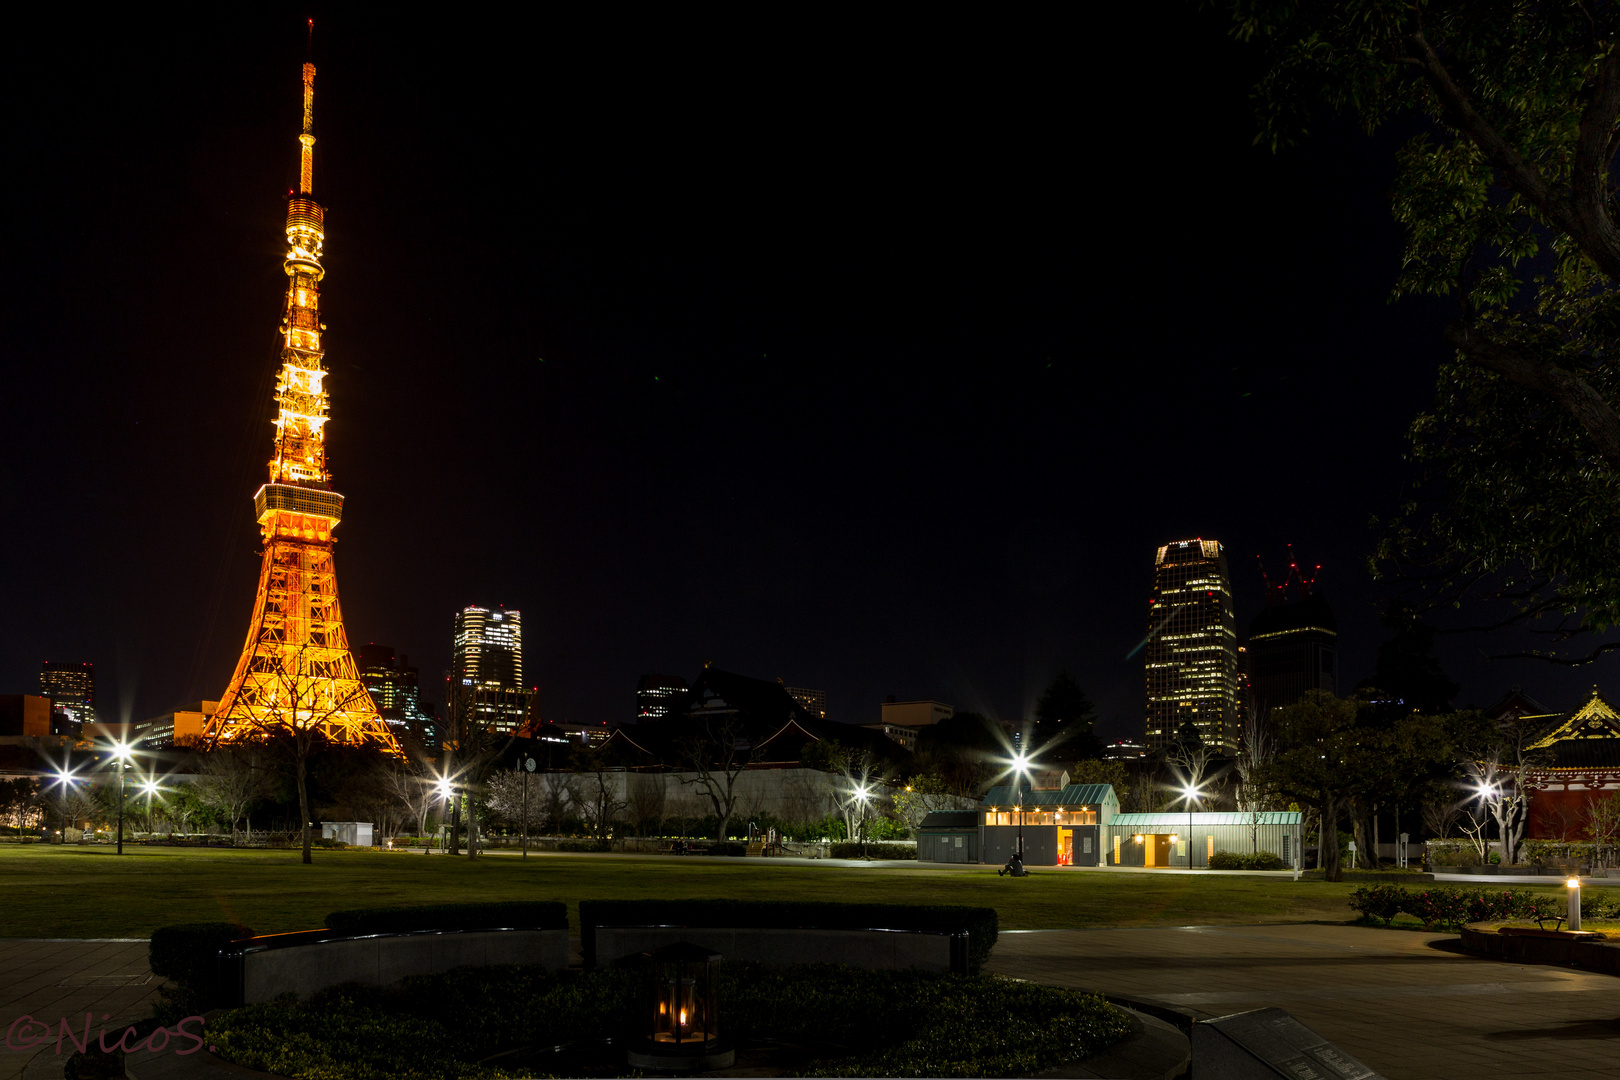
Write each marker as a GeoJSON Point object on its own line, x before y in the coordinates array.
{"type": "Point", "coordinates": [646, 796]}
{"type": "Point", "coordinates": [230, 778]}
{"type": "Point", "coordinates": [471, 746]}
{"type": "Point", "coordinates": [1603, 822]}
{"type": "Point", "coordinates": [515, 797]}
{"type": "Point", "coordinates": [601, 800]}
{"type": "Point", "coordinates": [1440, 814]}
{"type": "Point", "coordinates": [1253, 794]}
{"type": "Point", "coordinates": [718, 752]}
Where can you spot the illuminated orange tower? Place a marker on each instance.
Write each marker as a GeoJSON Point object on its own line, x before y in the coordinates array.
{"type": "Point", "coordinates": [296, 670]}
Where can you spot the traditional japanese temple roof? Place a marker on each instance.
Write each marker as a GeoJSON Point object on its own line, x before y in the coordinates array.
{"type": "Point", "coordinates": [1588, 741]}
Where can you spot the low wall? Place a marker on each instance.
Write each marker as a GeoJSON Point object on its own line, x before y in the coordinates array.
{"type": "Point", "coordinates": [307, 962]}
{"type": "Point", "coordinates": [1579, 949]}
{"type": "Point", "coordinates": [880, 950]}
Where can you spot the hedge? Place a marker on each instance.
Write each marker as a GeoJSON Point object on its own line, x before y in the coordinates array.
{"type": "Point", "coordinates": [188, 956]}
{"type": "Point", "coordinates": [1232, 860]}
{"type": "Point", "coordinates": [1450, 909]}
{"type": "Point", "coordinates": [872, 849]}
{"type": "Point", "coordinates": [980, 923]}
{"type": "Point", "coordinates": [525, 914]}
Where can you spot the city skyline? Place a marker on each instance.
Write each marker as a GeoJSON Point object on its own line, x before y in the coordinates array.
{"type": "Point", "coordinates": [965, 548]}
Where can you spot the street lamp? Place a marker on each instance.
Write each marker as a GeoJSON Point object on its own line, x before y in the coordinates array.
{"type": "Point", "coordinates": [863, 793]}
{"type": "Point", "coordinates": [149, 788]}
{"type": "Point", "coordinates": [444, 789]}
{"type": "Point", "coordinates": [1191, 794]}
{"type": "Point", "coordinates": [1020, 773]}
{"type": "Point", "coordinates": [65, 780]}
{"type": "Point", "coordinates": [121, 754]}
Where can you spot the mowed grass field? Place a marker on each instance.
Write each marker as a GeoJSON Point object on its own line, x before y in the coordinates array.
{"type": "Point", "coordinates": [75, 892]}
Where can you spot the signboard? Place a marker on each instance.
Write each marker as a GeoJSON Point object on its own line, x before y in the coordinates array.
{"type": "Point", "coordinates": [1268, 1042]}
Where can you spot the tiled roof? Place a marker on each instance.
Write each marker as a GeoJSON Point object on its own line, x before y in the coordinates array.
{"type": "Point", "coordinates": [1151, 822]}
{"type": "Point", "coordinates": [951, 819]}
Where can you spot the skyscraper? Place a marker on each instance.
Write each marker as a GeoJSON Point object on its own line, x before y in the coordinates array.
{"type": "Point", "coordinates": [395, 687]}
{"type": "Point", "coordinates": [72, 690]}
{"type": "Point", "coordinates": [814, 700]}
{"type": "Point", "coordinates": [656, 695]}
{"type": "Point", "coordinates": [296, 670]}
{"type": "Point", "coordinates": [487, 660]}
{"type": "Point", "coordinates": [1192, 646]}
{"type": "Point", "coordinates": [1293, 647]}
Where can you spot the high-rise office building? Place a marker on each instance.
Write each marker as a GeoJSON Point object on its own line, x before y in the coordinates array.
{"type": "Point", "coordinates": [71, 689]}
{"type": "Point", "coordinates": [1192, 647]}
{"type": "Point", "coordinates": [814, 700]}
{"type": "Point", "coordinates": [396, 688]}
{"type": "Point", "coordinates": [656, 695]}
{"type": "Point", "coordinates": [1293, 647]}
{"type": "Point", "coordinates": [487, 659]}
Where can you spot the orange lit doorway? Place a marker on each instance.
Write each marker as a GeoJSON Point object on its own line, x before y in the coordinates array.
{"type": "Point", "coordinates": [1065, 847]}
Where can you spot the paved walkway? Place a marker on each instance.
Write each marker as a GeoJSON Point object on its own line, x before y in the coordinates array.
{"type": "Point", "coordinates": [56, 980]}
{"type": "Point", "coordinates": [1409, 1011]}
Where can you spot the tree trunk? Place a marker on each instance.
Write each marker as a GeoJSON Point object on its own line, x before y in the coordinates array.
{"type": "Point", "coordinates": [1327, 840]}
{"type": "Point", "coordinates": [303, 803]}
{"type": "Point", "coordinates": [472, 827]}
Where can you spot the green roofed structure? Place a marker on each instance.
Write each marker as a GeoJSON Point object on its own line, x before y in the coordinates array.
{"type": "Point", "coordinates": [1060, 822]}
{"type": "Point", "coordinates": [1161, 840]}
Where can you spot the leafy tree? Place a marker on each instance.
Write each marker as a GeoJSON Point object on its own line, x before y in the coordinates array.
{"type": "Point", "coordinates": [922, 796]}
{"type": "Point", "coordinates": [1097, 771]}
{"type": "Point", "coordinates": [1505, 187]}
{"type": "Point", "coordinates": [1064, 718]}
{"type": "Point", "coordinates": [965, 750]}
{"type": "Point", "coordinates": [230, 778]}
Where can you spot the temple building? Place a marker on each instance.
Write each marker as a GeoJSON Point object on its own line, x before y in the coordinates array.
{"type": "Point", "coordinates": [1574, 763]}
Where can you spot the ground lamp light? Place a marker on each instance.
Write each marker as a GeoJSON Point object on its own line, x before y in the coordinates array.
{"type": "Point", "coordinates": [121, 755]}
{"type": "Point", "coordinates": [1574, 885]}
{"type": "Point", "coordinates": [681, 1026]}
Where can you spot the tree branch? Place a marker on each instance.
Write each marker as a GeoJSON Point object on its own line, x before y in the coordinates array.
{"type": "Point", "coordinates": [1589, 188]}
{"type": "Point", "coordinates": [1593, 233]}
{"type": "Point", "coordinates": [1577, 662]}
{"type": "Point", "coordinates": [1595, 415]}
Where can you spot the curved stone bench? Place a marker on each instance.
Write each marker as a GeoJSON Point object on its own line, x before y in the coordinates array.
{"type": "Point", "coordinates": [874, 949]}
{"type": "Point", "coordinates": [308, 961]}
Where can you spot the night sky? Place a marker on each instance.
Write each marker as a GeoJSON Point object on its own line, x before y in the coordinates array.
{"type": "Point", "coordinates": [874, 355]}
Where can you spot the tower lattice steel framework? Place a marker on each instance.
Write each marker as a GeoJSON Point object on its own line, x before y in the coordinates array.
{"type": "Point", "coordinates": [296, 669]}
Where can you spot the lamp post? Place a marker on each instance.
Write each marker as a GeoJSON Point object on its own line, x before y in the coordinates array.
{"type": "Point", "coordinates": [863, 793]}
{"type": "Point", "coordinates": [445, 792]}
{"type": "Point", "coordinates": [1020, 774]}
{"type": "Point", "coordinates": [1189, 793]}
{"type": "Point", "coordinates": [65, 781]}
{"type": "Point", "coordinates": [1574, 885]}
{"type": "Point", "coordinates": [121, 756]}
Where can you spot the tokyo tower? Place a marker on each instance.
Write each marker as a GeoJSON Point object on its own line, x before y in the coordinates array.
{"type": "Point", "coordinates": [296, 671]}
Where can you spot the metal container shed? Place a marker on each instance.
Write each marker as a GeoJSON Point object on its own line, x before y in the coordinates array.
{"type": "Point", "coordinates": [1060, 825]}
{"type": "Point", "coordinates": [1161, 839]}
{"type": "Point", "coordinates": [949, 836]}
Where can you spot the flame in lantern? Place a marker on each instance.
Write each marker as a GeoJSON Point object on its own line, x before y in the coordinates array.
{"type": "Point", "coordinates": [683, 1017]}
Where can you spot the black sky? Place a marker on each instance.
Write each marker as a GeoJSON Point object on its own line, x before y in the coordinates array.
{"type": "Point", "coordinates": [874, 355]}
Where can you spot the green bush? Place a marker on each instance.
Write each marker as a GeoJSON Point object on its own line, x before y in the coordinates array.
{"type": "Point", "coordinates": [980, 923]}
{"type": "Point", "coordinates": [873, 849]}
{"type": "Point", "coordinates": [525, 914]}
{"type": "Point", "coordinates": [728, 849]}
{"type": "Point", "coordinates": [880, 1023]}
{"type": "Point", "coordinates": [584, 845]}
{"type": "Point", "coordinates": [1232, 860]}
{"type": "Point", "coordinates": [1380, 902]}
{"type": "Point", "coordinates": [188, 956]}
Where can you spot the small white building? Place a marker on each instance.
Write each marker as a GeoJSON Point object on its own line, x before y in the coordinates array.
{"type": "Point", "coordinates": [353, 833]}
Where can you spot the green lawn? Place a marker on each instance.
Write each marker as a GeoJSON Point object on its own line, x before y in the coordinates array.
{"type": "Point", "coordinates": [91, 892]}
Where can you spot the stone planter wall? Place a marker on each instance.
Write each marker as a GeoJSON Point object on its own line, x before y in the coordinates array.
{"type": "Point", "coordinates": [305, 963]}
{"type": "Point", "coordinates": [1568, 949]}
{"type": "Point", "coordinates": [880, 950]}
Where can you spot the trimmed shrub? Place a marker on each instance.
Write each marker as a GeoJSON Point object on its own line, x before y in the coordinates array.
{"type": "Point", "coordinates": [728, 849]}
{"type": "Point", "coordinates": [1260, 860]}
{"type": "Point", "coordinates": [523, 914]}
{"type": "Point", "coordinates": [584, 845]}
{"type": "Point", "coordinates": [1380, 902]}
{"type": "Point", "coordinates": [188, 956]}
{"type": "Point", "coordinates": [850, 849]}
{"type": "Point", "coordinates": [980, 923]}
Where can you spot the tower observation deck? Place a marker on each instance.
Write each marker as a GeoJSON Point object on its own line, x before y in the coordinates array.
{"type": "Point", "coordinates": [296, 671]}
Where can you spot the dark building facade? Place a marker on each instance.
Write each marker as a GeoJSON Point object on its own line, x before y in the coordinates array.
{"type": "Point", "coordinates": [396, 688]}
{"type": "Point", "coordinates": [1292, 648]}
{"type": "Point", "coordinates": [1192, 674]}
{"type": "Point", "coordinates": [72, 691]}
{"type": "Point", "coordinates": [656, 695]}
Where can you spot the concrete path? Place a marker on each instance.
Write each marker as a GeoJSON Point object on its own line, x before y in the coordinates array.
{"type": "Point", "coordinates": [1409, 1011]}
{"type": "Point", "coordinates": [55, 980]}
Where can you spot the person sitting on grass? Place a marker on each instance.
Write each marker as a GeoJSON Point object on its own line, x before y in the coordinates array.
{"type": "Point", "coordinates": [1015, 866]}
